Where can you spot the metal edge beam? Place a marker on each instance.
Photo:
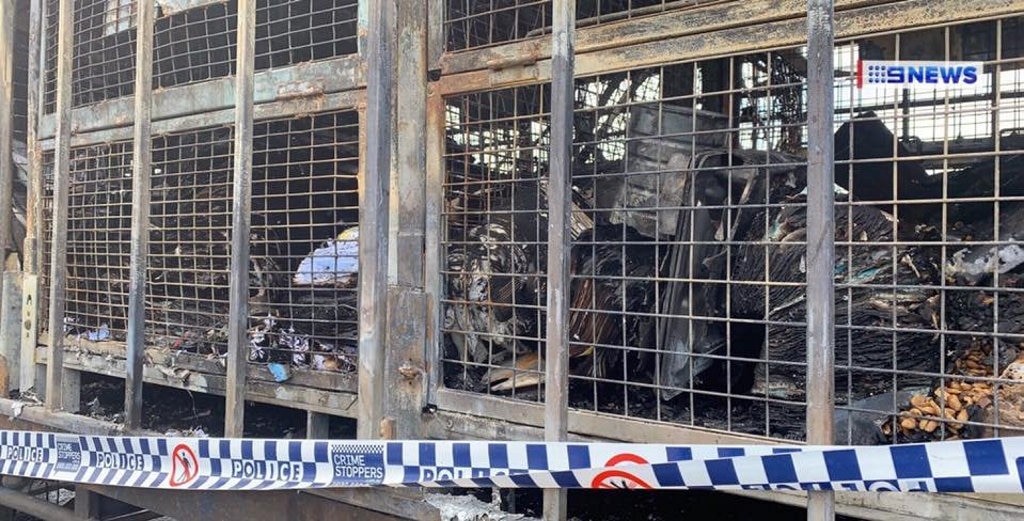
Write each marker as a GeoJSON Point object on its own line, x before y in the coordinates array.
{"type": "Point", "coordinates": [432, 281]}
{"type": "Point", "coordinates": [58, 250]}
{"type": "Point", "coordinates": [333, 75]}
{"type": "Point", "coordinates": [238, 313]}
{"type": "Point", "coordinates": [820, 241]}
{"type": "Point", "coordinates": [7, 245]}
{"type": "Point", "coordinates": [907, 15]}
{"type": "Point", "coordinates": [340, 402]}
{"type": "Point", "coordinates": [587, 423]}
{"type": "Point", "coordinates": [141, 170]}
{"type": "Point", "coordinates": [695, 19]}
{"type": "Point", "coordinates": [351, 100]}
{"type": "Point", "coordinates": [556, 365]}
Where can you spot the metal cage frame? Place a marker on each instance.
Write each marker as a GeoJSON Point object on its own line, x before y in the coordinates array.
{"type": "Point", "coordinates": [398, 82]}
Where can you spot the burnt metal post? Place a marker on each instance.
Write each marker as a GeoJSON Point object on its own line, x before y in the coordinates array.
{"type": "Point", "coordinates": [6, 124]}
{"type": "Point", "coordinates": [141, 169]}
{"type": "Point", "coordinates": [373, 216]}
{"type": "Point", "coordinates": [405, 374]}
{"type": "Point", "coordinates": [820, 240]}
{"type": "Point", "coordinates": [556, 388]}
{"type": "Point", "coordinates": [59, 248]}
{"type": "Point", "coordinates": [33, 207]}
{"type": "Point", "coordinates": [238, 314]}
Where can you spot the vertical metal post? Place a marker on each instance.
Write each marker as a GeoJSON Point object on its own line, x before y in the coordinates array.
{"type": "Point", "coordinates": [410, 133]}
{"type": "Point", "coordinates": [820, 240]}
{"type": "Point", "coordinates": [238, 329]}
{"type": "Point", "coordinates": [141, 170]}
{"type": "Point", "coordinates": [405, 373]}
{"type": "Point", "coordinates": [58, 249]}
{"type": "Point", "coordinates": [373, 216]}
{"type": "Point", "coordinates": [6, 124]}
{"type": "Point", "coordinates": [33, 207]}
{"type": "Point", "coordinates": [556, 388]}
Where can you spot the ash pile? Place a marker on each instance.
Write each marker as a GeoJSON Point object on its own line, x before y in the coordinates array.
{"type": "Point", "coordinates": [688, 277]}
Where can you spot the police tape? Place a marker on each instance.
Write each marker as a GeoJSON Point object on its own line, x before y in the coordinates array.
{"type": "Point", "coordinates": [990, 465]}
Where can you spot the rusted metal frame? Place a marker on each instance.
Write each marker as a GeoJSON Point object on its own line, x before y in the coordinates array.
{"type": "Point", "coordinates": [293, 82]}
{"type": "Point", "coordinates": [15, 410]}
{"type": "Point", "coordinates": [35, 507]}
{"type": "Point", "coordinates": [87, 504]}
{"type": "Point", "coordinates": [6, 125]}
{"type": "Point", "coordinates": [55, 381]}
{"type": "Point", "coordinates": [433, 262]}
{"type": "Point", "coordinates": [241, 221]}
{"type": "Point", "coordinates": [435, 34]}
{"type": "Point", "coordinates": [142, 161]}
{"type": "Point", "coordinates": [556, 365]}
{"type": "Point", "coordinates": [338, 403]}
{"type": "Point", "coordinates": [581, 423]}
{"type": "Point", "coordinates": [405, 371]}
{"type": "Point", "coordinates": [875, 19]}
{"type": "Point", "coordinates": [671, 24]}
{"type": "Point", "coordinates": [820, 241]}
{"type": "Point", "coordinates": [10, 331]}
{"type": "Point", "coordinates": [271, 110]}
{"type": "Point", "coordinates": [33, 211]}
{"type": "Point", "coordinates": [374, 218]}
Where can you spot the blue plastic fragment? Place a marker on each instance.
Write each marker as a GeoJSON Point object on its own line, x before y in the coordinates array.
{"type": "Point", "coordinates": [279, 371]}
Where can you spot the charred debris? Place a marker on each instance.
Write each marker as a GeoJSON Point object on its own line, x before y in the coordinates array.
{"type": "Point", "coordinates": [303, 254]}
{"type": "Point", "coordinates": [636, 241]}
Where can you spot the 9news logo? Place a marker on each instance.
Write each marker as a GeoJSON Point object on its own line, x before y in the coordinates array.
{"type": "Point", "coordinates": [917, 74]}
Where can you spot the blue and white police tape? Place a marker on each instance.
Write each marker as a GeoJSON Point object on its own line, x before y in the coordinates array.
{"type": "Point", "coordinates": [992, 465]}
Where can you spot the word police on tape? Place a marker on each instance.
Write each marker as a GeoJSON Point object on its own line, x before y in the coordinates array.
{"type": "Point", "coordinates": [992, 465]}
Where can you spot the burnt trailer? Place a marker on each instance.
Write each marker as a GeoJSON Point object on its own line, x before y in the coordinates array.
{"type": "Point", "coordinates": [699, 223]}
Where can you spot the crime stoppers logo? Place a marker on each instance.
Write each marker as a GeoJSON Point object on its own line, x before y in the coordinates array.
{"type": "Point", "coordinates": [184, 465]}
{"type": "Point", "coordinates": [619, 478]}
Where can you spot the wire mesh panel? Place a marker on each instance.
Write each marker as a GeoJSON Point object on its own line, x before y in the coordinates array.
{"type": "Point", "coordinates": [689, 244]}
{"type": "Point", "coordinates": [495, 237]}
{"type": "Point", "coordinates": [189, 260]}
{"type": "Point", "coordinates": [199, 44]}
{"type": "Point", "coordinates": [305, 190]}
{"type": "Point", "coordinates": [945, 169]}
{"type": "Point", "coordinates": [472, 24]}
{"type": "Point", "coordinates": [104, 51]}
{"type": "Point", "coordinates": [192, 45]}
{"type": "Point", "coordinates": [99, 229]}
{"type": "Point", "coordinates": [680, 303]}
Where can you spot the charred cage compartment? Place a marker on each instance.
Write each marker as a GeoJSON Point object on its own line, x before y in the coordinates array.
{"type": "Point", "coordinates": [194, 41]}
{"type": "Point", "coordinates": [473, 24]}
{"type": "Point", "coordinates": [689, 252]}
{"type": "Point", "coordinates": [303, 270]}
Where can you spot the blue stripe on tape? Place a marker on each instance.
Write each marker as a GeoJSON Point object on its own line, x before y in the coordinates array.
{"type": "Point", "coordinates": [461, 455]}
{"type": "Point", "coordinates": [911, 461]}
{"type": "Point", "coordinates": [679, 453]}
{"type": "Point", "coordinates": [779, 468]}
{"type": "Point", "coordinates": [669, 475]}
{"type": "Point", "coordinates": [394, 454]}
{"type": "Point", "coordinates": [730, 452]}
{"type": "Point", "coordinates": [579, 456]}
{"type": "Point", "coordinates": [498, 454]}
{"type": "Point", "coordinates": [986, 458]}
{"type": "Point", "coordinates": [722, 472]}
{"type": "Point", "coordinates": [536, 457]}
{"type": "Point", "coordinates": [843, 465]}
{"type": "Point", "coordinates": [428, 454]}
